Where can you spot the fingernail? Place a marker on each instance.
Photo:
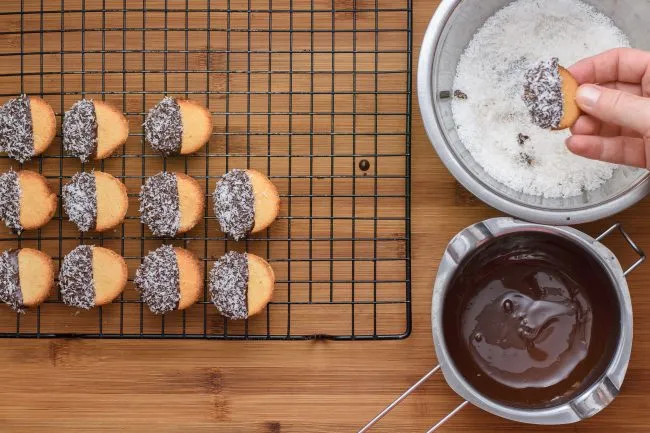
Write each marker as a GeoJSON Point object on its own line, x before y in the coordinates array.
{"type": "Point", "coordinates": [588, 96]}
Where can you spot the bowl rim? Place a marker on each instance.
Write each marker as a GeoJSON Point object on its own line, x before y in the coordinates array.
{"type": "Point", "coordinates": [482, 191]}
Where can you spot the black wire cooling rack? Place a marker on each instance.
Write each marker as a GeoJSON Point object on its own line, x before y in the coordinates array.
{"type": "Point", "coordinates": [315, 94]}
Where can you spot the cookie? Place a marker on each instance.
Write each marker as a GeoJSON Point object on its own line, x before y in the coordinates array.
{"type": "Point", "coordinates": [550, 95]}
{"type": "Point", "coordinates": [27, 127]}
{"type": "Point", "coordinates": [241, 285]}
{"type": "Point", "coordinates": [169, 278]}
{"type": "Point", "coordinates": [93, 129]}
{"type": "Point", "coordinates": [171, 203]}
{"type": "Point", "coordinates": [26, 200]}
{"type": "Point", "coordinates": [177, 126]}
{"type": "Point", "coordinates": [26, 278]}
{"type": "Point", "coordinates": [91, 276]}
{"type": "Point", "coordinates": [245, 201]}
{"type": "Point", "coordinates": [95, 200]}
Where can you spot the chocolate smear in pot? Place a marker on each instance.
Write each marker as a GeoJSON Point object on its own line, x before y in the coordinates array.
{"type": "Point", "coordinates": [80, 200]}
{"type": "Point", "coordinates": [158, 280]}
{"type": "Point", "coordinates": [229, 285]}
{"type": "Point", "coordinates": [543, 94]}
{"type": "Point", "coordinates": [80, 130]}
{"type": "Point", "coordinates": [10, 292]}
{"type": "Point", "coordinates": [16, 129]}
{"type": "Point", "coordinates": [234, 204]}
{"type": "Point", "coordinates": [159, 205]}
{"type": "Point", "coordinates": [10, 201]}
{"type": "Point", "coordinates": [163, 127]}
{"type": "Point", "coordinates": [76, 278]}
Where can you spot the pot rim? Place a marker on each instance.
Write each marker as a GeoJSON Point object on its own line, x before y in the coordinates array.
{"type": "Point", "coordinates": [476, 186]}
{"type": "Point", "coordinates": [591, 401]}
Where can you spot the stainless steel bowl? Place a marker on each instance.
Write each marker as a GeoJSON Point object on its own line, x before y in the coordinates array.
{"type": "Point", "coordinates": [450, 30]}
{"type": "Point", "coordinates": [597, 396]}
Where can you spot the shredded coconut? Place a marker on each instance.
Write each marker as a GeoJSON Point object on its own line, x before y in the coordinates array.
{"type": "Point", "coordinates": [80, 200]}
{"type": "Point", "coordinates": [10, 292]}
{"type": "Point", "coordinates": [80, 130]}
{"type": "Point", "coordinates": [10, 201]}
{"type": "Point", "coordinates": [76, 278]}
{"type": "Point", "coordinates": [234, 204]}
{"type": "Point", "coordinates": [229, 285]}
{"type": "Point", "coordinates": [157, 279]}
{"type": "Point", "coordinates": [159, 206]}
{"type": "Point", "coordinates": [543, 94]}
{"type": "Point", "coordinates": [493, 121]}
{"type": "Point", "coordinates": [163, 127]}
{"type": "Point", "coordinates": [16, 130]}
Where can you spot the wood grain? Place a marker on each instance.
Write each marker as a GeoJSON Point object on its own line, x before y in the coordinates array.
{"type": "Point", "coordinates": [170, 386]}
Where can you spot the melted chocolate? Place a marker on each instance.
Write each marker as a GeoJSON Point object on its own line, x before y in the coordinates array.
{"type": "Point", "coordinates": [163, 127]}
{"type": "Point", "coordinates": [229, 285]}
{"type": "Point", "coordinates": [531, 320]}
{"type": "Point", "coordinates": [76, 278]}
{"type": "Point", "coordinates": [80, 130]}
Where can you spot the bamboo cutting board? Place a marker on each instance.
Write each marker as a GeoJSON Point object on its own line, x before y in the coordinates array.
{"type": "Point", "coordinates": [173, 386]}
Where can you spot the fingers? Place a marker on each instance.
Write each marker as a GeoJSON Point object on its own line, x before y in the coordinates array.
{"type": "Point", "coordinates": [588, 125]}
{"type": "Point", "coordinates": [618, 150]}
{"type": "Point", "coordinates": [616, 107]}
{"type": "Point", "coordinates": [623, 64]}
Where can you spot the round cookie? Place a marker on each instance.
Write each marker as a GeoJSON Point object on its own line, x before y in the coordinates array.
{"type": "Point", "coordinates": [550, 95]}
{"type": "Point", "coordinates": [169, 278]}
{"type": "Point", "coordinates": [26, 200]}
{"type": "Point", "coordinates": [93, 129]}
{"type": "Point", "coordinates": [27, 127]}
{"type": "Point", "coordinates": [171, 203]}
{"type": "Point", "coordinates": [92, 276]}
{"type": "Point", "coordinates": [177, 126]}
{"type": "Point", "coordinates": [95, 200]}
{"type": "Point", "coordinates": [241, 284]}
{"type": "Point", "coordinates": [26, 278]}
{"type": "Point", "coordinates": [245, 201]}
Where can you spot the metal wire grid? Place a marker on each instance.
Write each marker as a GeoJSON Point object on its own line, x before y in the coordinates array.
{"type": "Point", "coordinates": [316, 94]}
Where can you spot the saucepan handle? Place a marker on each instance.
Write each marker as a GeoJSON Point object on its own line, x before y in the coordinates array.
{"type": "Point", "coordinates": [619, 227]}
{"type": "Point", "coordinates": [399, 399]}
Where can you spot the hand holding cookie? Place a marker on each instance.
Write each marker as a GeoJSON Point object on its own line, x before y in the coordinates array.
{"type": "Point", "coordinates": [615, 95]}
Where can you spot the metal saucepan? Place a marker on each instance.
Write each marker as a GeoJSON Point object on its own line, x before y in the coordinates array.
{"type": "Point", "coordinates": [584, 404]}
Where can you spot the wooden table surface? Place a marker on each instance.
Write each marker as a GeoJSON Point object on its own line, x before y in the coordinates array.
{"type": "Point", "coordinates": [318, 386]}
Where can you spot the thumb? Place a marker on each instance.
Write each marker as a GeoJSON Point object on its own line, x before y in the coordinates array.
{"type": "Point", "coordinates": [616, 107]}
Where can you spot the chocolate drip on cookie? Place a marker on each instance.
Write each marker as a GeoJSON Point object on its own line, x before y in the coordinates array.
{"type": "Point", "coordinates": [229, 285]}
{"type": "Point", "coordinates": [543, 94]}
{"type": "Point", "coordinates": [159, 204]}
{"type": "Point", "coordinates": [80, 130]}
{"type": "Point", "coordinates": [10, 201]}
{"type": "Point", "coordinates": [234, 204]}
{"type": "Point", "coordinates": [163, 127]}
{"type": "Point", "coordinates": [16, 129]}
{"type": "Point", "coordinates": [10, 292]}
{"type": "Point", "coordinates": [80, 200]}
{"type": "Point", "coordinates": [76, 278]}
{"type": "Point", "coordinates": [158, 280]}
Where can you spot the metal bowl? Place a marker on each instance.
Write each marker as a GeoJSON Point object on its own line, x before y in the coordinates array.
{"type": "Point", "coordinates": [450, 31]}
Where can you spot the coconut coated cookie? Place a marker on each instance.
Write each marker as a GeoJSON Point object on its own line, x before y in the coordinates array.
{"type": "Point", "coordinates": [26, 278]}
{"type": "Point", "coordinates": [241, 284]}
{"type": "Point", "coordinates": [95, 200]}
{"type": "Point", "coordinates": [92, 276]}
{"type": "Point", "coordinates": [171, 203]}
{"type": "Point", "coordinates": [26, 200]}
{"type": "Point", "coordinates": [245, 201]}
{"type": "Point", "coordinates": [169, 278]}
{"type": "Point", "coordinates": [27, 127]}
{"type": "Point", "coordinates": [550, 95]}
{"type": "Point", "coordinates": [177, 126]}
{"type": "Point", "coordinates": [93, 129]}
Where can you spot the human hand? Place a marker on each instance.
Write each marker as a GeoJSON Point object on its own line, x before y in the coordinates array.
{"type": "Point", "coordinates": [615, 95]}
